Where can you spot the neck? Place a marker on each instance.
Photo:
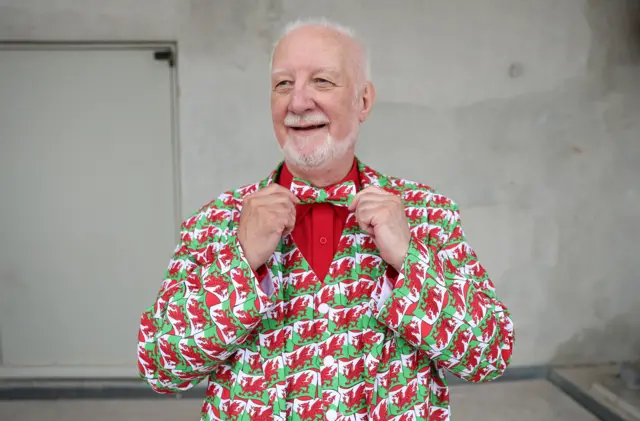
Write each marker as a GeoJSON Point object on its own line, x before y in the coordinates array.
{"type": "Point", "coordinates": [325, 175]}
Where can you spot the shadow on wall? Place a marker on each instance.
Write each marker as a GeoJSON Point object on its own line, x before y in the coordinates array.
{"type": "Point", "coordinates": [617, 23]}
{"type": "Point", "coordinates": [620, 333]}
{"type": "Point", "coordinates": [616, 29]}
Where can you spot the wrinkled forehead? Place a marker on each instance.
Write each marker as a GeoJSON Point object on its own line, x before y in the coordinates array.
{"type": "Point", "coordinates": [314, 49]}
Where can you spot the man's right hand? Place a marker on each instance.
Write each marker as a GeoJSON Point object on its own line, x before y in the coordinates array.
{"type": "Point", "coordinates": [266, 216]}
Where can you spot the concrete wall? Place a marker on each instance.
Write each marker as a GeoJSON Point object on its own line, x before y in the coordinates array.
{"type": "Point", "coordinates": [525, 112]}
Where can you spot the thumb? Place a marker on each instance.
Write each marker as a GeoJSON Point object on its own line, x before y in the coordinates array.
{"type": "Point", "coordinates": [354, 203]}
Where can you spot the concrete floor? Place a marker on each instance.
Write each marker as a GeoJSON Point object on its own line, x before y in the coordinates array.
{"type": "Point", "coordinates": [519, 400]}
{"type": "Point", "coordinates": [603, 387]}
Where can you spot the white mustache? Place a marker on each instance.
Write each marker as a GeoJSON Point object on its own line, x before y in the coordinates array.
{"type": "Point", "coordinates": [295, 120]}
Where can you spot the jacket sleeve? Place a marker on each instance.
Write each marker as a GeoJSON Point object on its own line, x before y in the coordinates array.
{"type": "Point", "coordinates": [444, 303]}
{"type": "Point", "coordinates": [208, 304]}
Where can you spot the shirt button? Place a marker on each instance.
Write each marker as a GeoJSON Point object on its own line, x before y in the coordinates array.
{"type": "Point", "coordinates": [329, 361]}
{"type": "Point", "coordinates": [323, 240]}
{"type": "Point", "coordinates": [331, 415]}
{"type": "Point", "coordinates": [323, 308]}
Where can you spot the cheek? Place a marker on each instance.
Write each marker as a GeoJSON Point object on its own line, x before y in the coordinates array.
{"type": "Point", "coordinates": [279, 103]}
{"type": "Point", "coordinates": [277, 117]}
{"type": "Point", "coordinates": [342, 119]}
{"type": "Point", "coordinates": [278, 114]}
{"type": "Point", "coordinates": [340, 107]}
{"type": "Point", "coordinates": [278, 109]}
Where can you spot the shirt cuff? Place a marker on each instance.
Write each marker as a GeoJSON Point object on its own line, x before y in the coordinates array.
{"type": "Point", "coordinates": [389, 279]}
{"type": "Point", "coordinates": [264, 280]}
{"type": "Point", "coordinates": [385, 293]}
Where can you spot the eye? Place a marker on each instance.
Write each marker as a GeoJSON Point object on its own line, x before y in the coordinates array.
{"type": "Point", "coordinates": [282, 85]}
{"type": "Point", "coordinates": [322, 82]}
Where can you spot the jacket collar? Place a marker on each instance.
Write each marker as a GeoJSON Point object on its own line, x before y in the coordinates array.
{"type": "Point", "coordinates": [366, 176]}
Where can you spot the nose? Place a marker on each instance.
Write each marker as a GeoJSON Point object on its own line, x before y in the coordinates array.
{"type": "Point", "coordinates": [301, 100]}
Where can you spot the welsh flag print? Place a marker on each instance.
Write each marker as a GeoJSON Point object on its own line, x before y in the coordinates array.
{"type": "Point", "coordinates": [325, 349]}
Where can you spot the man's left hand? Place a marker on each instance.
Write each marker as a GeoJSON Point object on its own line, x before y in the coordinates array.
{"type": "Point", "coordinates": [381, 215]}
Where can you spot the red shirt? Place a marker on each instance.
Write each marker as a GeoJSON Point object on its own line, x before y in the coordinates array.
{"type": "Point", "coordinates": [319, 226]}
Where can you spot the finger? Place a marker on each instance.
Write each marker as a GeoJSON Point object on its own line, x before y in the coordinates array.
{"type": "Point", "coordinates": [365, 214]}
{"type": "Point", "coordinates": [357, 199]}
{"type": "Point", "coordinates": [274, 199]}
{"type": "Point", "coordinates": [364, 217]}
{"type": "Point", "coordinates": [366, 227]}
{"type": "Point", "coordinates": [286, 192]}
{"type": "Point", "coordinates": [274, 190]}
{"type": "Point", "coordinates": [285, 217]}
{"type": "Point", "coordinates": [290, 223]}
{"type": "Point", "coordinates": [284, 209]}
{"type": "Point", "coordinates": [375, 198]}
{"type": "Point", "coordinates": [374, 190]}
{"type": "Point", "coordinates": [366, 197]}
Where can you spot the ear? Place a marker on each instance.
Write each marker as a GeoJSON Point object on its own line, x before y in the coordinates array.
{"type": "Point", "coordinates": [366, 102]}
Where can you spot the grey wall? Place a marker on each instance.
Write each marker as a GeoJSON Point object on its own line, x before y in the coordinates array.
{"type": "Point", "coordinates": [525, 112]}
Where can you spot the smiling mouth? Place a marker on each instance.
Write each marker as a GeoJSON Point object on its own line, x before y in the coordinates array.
{"type": "Point", "coordinates": [308, 128]}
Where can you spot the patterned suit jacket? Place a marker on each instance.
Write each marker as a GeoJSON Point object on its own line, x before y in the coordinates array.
{"type": "Point", "coordinates": [325, 349]}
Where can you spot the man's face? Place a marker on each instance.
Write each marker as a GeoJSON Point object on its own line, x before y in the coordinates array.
{"type": "Point", "coordinates": [316, 99]}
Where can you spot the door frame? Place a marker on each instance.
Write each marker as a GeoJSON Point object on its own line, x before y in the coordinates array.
{"type": "Point", "coordinates": [106, 372]}
{"type": "Point", "coordinates": [145, 46]}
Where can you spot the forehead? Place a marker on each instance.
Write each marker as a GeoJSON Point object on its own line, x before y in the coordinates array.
{"type": "Point", "coordinates": [312, 49]}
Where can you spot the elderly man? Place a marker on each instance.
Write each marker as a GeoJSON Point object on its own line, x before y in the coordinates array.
{"type": "Point", "coordinates": [328, 290]}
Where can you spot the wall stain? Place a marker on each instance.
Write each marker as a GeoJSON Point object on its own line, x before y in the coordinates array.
{"type": "Point", "coordinates": [618, 340]}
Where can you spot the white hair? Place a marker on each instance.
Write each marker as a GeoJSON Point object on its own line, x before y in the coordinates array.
{"type": "Point", "coordinates": [362, 62]}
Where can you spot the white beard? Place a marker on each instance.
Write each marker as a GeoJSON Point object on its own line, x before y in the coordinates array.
{"type": "Point", "coordinates": [329, 150]}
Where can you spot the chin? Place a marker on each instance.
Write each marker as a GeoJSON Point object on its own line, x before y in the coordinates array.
{"type": "Point", "coordinates": [313, 160]}
{"type": "Point", "coordinates": [308, 153]}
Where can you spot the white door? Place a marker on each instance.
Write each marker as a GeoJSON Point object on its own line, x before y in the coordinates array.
{"type": "Point", "coordinates": [88, 206]}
